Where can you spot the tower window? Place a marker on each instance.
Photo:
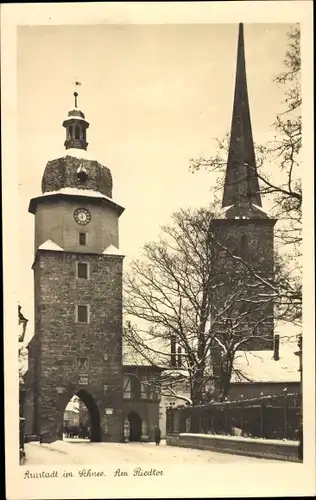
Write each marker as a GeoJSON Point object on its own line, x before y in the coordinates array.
{"type": "Point", "coordinates": [82, 270]}
{"type": "Point", "coordinates": [77, 132]}
{"type": "Point", "coordinates": [82, 314]}
{"type": "Point", "coordinates": [82, 238]}
{"type": "Point", "coordinates": [244, 246]}
{"type": "Point", "coordinates": [70, 131]}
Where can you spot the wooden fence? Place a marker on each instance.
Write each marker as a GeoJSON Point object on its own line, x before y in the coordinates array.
{"type": "Point", "coordinates": [270, 417]}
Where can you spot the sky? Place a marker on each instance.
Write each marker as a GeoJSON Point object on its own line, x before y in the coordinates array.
{"type": "Point", "coordinates": [155, 96]}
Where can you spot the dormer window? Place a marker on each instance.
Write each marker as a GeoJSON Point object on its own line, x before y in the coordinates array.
{"type": "Point", "coordinates": [82, 177]}
{"type": "Point", "coordinates": [82, 174]}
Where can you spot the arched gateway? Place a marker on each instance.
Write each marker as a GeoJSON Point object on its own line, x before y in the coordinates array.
{"type": "Point", "coordinates": [77, 346]}
{"type": "Point", "coordinates": [135, 423]}
{"type": "Point", "coordinates": [94, 416]}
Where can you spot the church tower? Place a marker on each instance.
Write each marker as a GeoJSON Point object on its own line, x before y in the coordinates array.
{"type": "Point", "coordinates": [77, 345]}
{"type": "Point", "coordinates": [246, 231]}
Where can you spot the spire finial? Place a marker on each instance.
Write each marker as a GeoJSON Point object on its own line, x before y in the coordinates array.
{"type": "Point", "coordinates": [241, 181]}
{"type": "Point", "coordinates": [76, 96]}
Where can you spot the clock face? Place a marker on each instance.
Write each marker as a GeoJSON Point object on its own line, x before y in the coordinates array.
{"type": "Point", "coordinates": [82, 216]}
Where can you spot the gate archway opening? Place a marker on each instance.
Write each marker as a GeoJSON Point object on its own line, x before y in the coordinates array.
{"type": "Point", "coordinates": [81, 418]}
{"type": "Point", "coordinates": [135, 423]}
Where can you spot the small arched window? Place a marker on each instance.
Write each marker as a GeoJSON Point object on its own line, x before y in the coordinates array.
{"type": "Point", "coordinates": [77, 132]}
{"type": "Point", "coordinates": [70, 131]}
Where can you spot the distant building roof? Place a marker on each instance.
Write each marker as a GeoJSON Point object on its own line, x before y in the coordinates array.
{"type": "Point", "coordinates": [260, 366]}
{"type": "Point", "coordinates": [142, 356]}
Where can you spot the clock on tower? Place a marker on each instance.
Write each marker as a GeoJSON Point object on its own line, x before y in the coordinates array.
{"type": "Point", "coordinates": [82, 216]}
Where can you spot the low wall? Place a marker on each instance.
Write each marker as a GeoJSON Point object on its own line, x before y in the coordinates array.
{"type": "Point", "coordinates": [261, 448]}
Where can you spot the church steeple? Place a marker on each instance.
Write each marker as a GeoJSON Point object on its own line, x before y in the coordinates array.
{"type": "Point", "coordinates": [76, 126]}
{"type": "Point", "coordinates": [241, 189]}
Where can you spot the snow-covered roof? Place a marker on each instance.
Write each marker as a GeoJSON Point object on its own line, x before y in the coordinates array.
{"type": "Point", "coordinates": [77, 117]}
{"type": "Point", "coordinates": [112, 250]}
{"type": "Point", "coordinates": [132, 357]}
{"type": "Point", "coordinates": [135, 359]}
{"type": "Point", "coordinates": [260, 366]}
{"type": "Point", "coordinates": [78, 153]}
{"type": "Point", "coordinates": [50, 245]}
{"type": "Point", "coordinates": [176, 373]}
{"type": "Point", "coordinates": [78, 192]}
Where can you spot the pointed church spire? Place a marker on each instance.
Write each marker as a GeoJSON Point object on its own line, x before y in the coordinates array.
{"type": "Point", "coordinates": [241, 182]}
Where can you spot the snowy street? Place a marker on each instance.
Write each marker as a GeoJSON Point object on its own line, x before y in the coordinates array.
{"type": "Point", "coordinates": [80, 452]}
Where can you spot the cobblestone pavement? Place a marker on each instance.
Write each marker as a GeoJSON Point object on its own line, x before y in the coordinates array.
{"type": "Point", "coordinates": [79, 452]}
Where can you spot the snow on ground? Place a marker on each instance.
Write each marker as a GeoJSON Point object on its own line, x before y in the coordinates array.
{"type": "Point", "coordinates": [285, 442]}
{"type": "Point", "coordinates": [78, 452]}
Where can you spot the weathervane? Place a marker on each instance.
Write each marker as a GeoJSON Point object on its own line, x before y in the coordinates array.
{"type": "Point", "coordinates": [76, 84]}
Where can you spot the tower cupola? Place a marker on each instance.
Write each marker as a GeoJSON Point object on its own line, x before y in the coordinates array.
{"type": "Point", "coordinates": [76, 127]}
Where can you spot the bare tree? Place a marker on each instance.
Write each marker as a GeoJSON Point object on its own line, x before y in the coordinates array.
{"type": "Point", "coordinates": [175, 296]}
{"type": "Point", "coordinates": [174, 290]}
{"type": "Point", "coordinates": [282, 153]}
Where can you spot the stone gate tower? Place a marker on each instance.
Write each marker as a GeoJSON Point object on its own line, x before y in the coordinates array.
{"type": "Point", "coordinates": [245, 231]}
{"type": "Point", "coordinates": [77, 345]}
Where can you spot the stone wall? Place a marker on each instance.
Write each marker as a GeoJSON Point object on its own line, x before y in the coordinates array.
{"type": "Point", "coordinates": [62, 341]}
{"type": "Point", "coordinates": [259, 256]}
{"type": "Point", "coordinates": [62, 172]}
{"type": "Point", "coordinates": [261, 448]}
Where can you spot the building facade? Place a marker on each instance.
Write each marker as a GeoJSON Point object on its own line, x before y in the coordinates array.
{"type": "Point", "coordinates": [77, 343]}
{"type": "Point", "coordinates": [141, 400]}
{"type": "Point", "coordinates": [245, 231]}
{"type": "Point", "coordinates": [243, 244]}
{"type": "Point", "coordinates": [76, 350]}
